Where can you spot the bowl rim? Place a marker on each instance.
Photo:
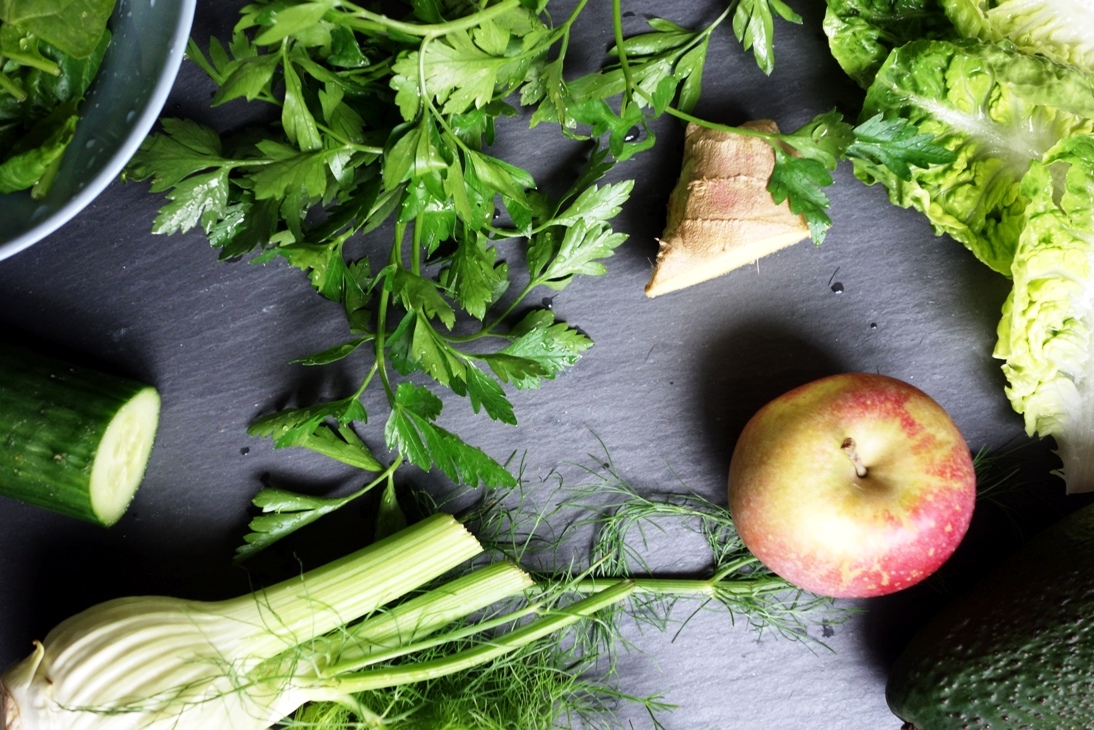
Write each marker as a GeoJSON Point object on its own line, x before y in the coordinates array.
{"type": "Point", "coordinates": [113, 167]}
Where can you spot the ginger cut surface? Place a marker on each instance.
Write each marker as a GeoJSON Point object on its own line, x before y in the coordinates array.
{"type": "Point", "coordinates": [720, 214]}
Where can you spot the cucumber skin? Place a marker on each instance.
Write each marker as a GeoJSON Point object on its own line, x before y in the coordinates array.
{"type": "Point", "coordinates": [1017, 651]}
{"type": "Point", "coordinates": [52, 418]}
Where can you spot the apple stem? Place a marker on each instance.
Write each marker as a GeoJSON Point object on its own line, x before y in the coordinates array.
{"type": "Point", "coordinates": [848, 447]}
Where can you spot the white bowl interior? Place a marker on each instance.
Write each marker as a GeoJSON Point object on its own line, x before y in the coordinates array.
{"type": "Point", "coordinates": [124, 101]}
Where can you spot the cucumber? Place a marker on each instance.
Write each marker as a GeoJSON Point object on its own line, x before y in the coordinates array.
{"type": "Point", "coordinates": [73, 440]}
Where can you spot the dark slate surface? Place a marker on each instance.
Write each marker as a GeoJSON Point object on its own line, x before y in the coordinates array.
{"type": "Point", "coordinates": [666, 388]}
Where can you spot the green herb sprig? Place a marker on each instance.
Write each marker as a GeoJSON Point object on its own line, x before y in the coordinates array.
{"type": "Point", "coordinates": [620, 525]}
{"type": "Point", "coordinates": [384, 126]}
{"type": "Point", "coordinates": [576, 540]}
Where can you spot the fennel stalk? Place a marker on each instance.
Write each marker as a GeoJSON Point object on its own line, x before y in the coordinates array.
{"type": "Point", "coordinates": [159, 663]}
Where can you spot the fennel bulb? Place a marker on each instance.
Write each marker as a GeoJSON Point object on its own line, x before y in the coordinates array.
{"type": "Point", "coordinates": [159, 663]}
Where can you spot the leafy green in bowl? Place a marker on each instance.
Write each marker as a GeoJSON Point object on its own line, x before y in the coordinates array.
{"type": "Point", "coordinates": [102, 129]}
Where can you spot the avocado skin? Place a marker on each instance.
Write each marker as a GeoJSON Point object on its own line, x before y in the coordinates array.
{"type": "Point", "coordinates": [1014, 653]}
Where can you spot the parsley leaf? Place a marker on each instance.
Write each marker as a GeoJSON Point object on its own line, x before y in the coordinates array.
{"type": "Point", "coordinates": [821, 144]}
{"type": "Point", "coordinates": [474, 277]}
{"type": "Point", "coordinates": [540, 349]}
{"type": "Point", "coordinates": [487, 394]}
{"type": "Point", "coordinates": [308, 428]}
{"type": "Point", "coordinates": [291, 426]}
{"type": "Point", "coordinates": [284, 512]}
{"type": "Point", "coordinates": [458, 72]}
{"type": "Point", "coordinates": [197, 199]}
{"type": "Point", "coordinates": [895, 144]}
{"type": "Point", "coordinates": [580, 250]}
{"type": "Point", "coordinates": [337, 352]}
{"type": "Point", "coordinates": [411, 429]}
{"type": "Point", "coordinates": [800, 180]}
{"type": "Point", "coordinates": [183, 148]}
{"type": "Point", "coordinates": [596, 204]}
{"type": "Point", "coordinates": [370, 126]}
{"type": "Point", "coordinates": [754, 27]}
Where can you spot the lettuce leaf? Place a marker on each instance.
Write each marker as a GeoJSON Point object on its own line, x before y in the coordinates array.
{"type": "Point", "coordinates": [1062, 30]}
{"type": "Point", "coordinates": [861, 33]}
{"type": "Point", "coordinates": [1046, 335]}
{"type": "Point", "coordinates": [997, 110]}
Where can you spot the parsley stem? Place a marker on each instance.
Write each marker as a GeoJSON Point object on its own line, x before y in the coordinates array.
{"type": "Point", "coordinates": [427, 101]}
{"type": "Point", "coordinates": [371, 22]}
{"type": "Point", "coordinates": [384, 476]}
{"type": "Point", "coordinates": [416, 244]}
{"type": "Point", "coordinates": [770, 138]}
{"type": "Point", "coordinates": [487, 330]}
{"type": "Point", "coordinates": [381, 363]}
{"type": "Point", "coordinates": [397, 246]}
{"type": "Point", "coordinates": [624, 64]}
{"type": "Point", "coordinates": [368, 379]}
{"type": "Point", "coordinates": [565, 44]}
{"type": "Point", "coordinates": [348, 144]}
{"type": "Point", "coordinates": [380, 342]}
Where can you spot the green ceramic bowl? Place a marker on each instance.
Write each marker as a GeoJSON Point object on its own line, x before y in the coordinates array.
{"type": "Point", "coordinates": [140, 66]}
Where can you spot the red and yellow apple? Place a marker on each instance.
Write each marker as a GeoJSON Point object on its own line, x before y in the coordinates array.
{"type": "Point", "coordinates": [854, 485]}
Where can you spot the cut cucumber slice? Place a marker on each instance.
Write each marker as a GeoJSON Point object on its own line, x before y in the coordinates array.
{"type": "Point", "coordinates": [74, 440]}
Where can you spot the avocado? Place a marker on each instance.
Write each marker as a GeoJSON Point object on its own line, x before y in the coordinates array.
{"type": "Point", "coordinates": [1016, 652]}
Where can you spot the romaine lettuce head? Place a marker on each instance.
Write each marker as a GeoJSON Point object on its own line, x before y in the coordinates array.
{"type": "Point", "coordinates": [1046, 335]}
{"type": "Point", "coordinates": [1062, 30]}
{"type": "Point", "coordinates": [861, 33]}
{"type": "Point", "coordinates": [997, 110]}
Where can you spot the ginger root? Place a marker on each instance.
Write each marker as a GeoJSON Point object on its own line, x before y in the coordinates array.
{"type": "Point", "coordinates": [720, 214]}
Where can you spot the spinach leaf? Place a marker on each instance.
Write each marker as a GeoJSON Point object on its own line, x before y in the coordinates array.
{"type": "Point", "coordinates": [34, 158]}
{"type": "Point", "coordinates": [75, 27]}
{"type": "Point", "coordinates": [40, 89]}
{"type": "Point", "coordinates": [54, 79]}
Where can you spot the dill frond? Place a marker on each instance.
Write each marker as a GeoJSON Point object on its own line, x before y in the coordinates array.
{"type": "Point", "coordinates": [577, 539]}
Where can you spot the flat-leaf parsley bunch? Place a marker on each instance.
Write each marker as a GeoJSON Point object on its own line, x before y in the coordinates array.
{"type": "Point", "coordinates": [389, 121]}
